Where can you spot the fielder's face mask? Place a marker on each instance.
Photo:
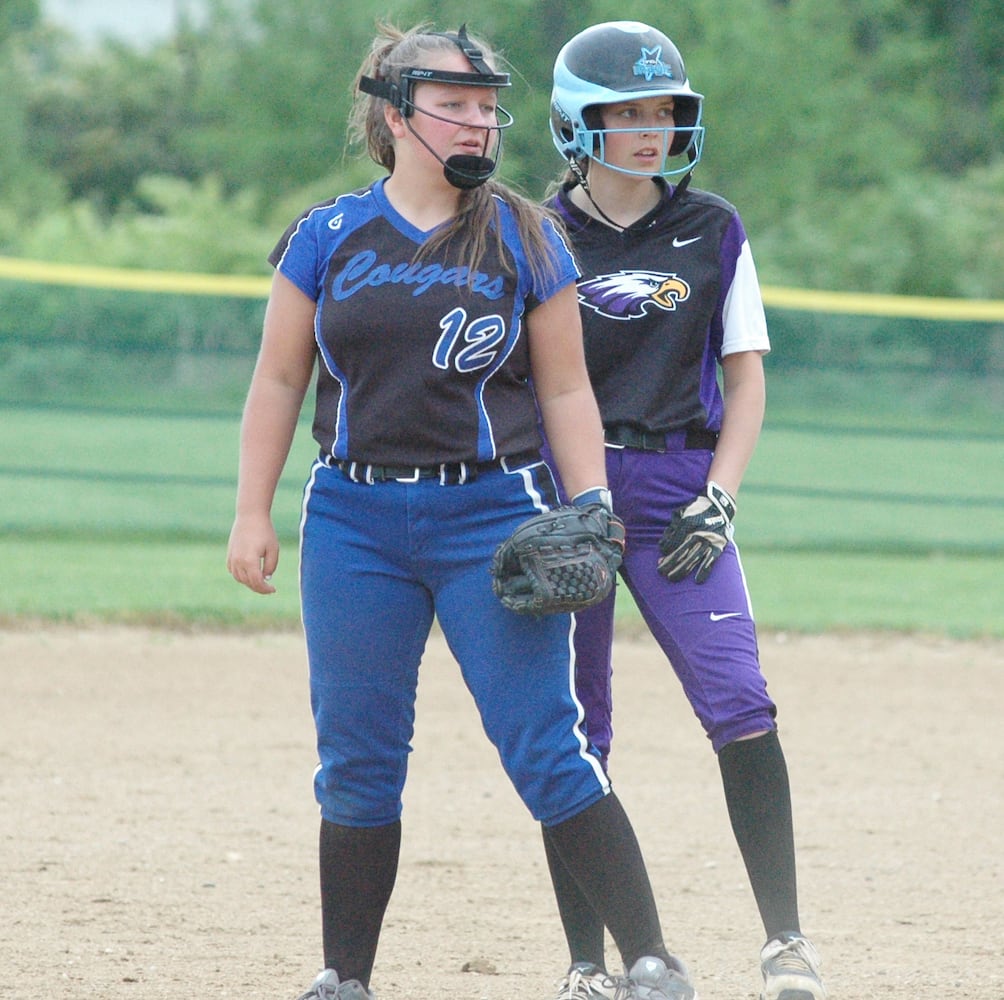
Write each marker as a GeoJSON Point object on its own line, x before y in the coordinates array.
{"type": "Point", "coordinates": [461, 171]}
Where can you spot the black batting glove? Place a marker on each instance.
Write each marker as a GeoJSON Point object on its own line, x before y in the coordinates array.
{"type": "Point", "coordinates": [696, 535]}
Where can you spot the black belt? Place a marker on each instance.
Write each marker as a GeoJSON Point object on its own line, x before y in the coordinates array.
{"type": "Point", "coordinates": [448, 473]}
{"type": "Point", "coordinates": [691, 439]}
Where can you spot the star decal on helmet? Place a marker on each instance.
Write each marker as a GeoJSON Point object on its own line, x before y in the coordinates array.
{"type": "Point", "coordinates": [651, 65]}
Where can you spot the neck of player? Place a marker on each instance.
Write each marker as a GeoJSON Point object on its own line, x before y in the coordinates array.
{"type": "Point", "coordinates": [623, 198]}
{"type": "Point", "coordinates": [425, 205]}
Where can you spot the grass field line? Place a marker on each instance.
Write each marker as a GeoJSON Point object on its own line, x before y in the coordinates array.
{"type": "Point", "coordinates": [137, 478]}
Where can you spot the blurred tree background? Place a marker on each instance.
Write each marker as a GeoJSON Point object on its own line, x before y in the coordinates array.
{"type": "Point", "coordinates": [863, 142]}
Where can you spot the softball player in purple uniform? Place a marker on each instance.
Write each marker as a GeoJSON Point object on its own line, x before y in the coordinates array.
{"type": "Point", "coordinates": [439, 310]}
{"type": "Point", "coordinates": [669, 296]}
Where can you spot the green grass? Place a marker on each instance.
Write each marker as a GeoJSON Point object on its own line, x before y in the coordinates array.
{"type": "Point", "coordinates": [139, 582]}
{"type": "Point", "coordinates": [178, 583]}
{"type": "Point", "coordinates": [874, 492]}
{"type": "Point", "coordinates": [124, 517]}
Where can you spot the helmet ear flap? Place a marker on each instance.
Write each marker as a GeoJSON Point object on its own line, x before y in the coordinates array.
{"type": "Point", "coordinates": [563, 131]}
{"type": "Point", "coordinates": [686, 113]}
{"type": "Point", "coordinates": [567, 137]}
{"type": "Point", "coordinates": [592, 117]}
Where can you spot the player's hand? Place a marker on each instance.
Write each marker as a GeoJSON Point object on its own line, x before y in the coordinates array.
{"type": "Point", "coordinates": [697, 534]}
{"type": "Point", "coordinates": [253, 552]}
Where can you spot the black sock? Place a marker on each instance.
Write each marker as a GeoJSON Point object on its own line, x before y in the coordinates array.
{"type": "Point", "coordinates": [758, 796]}
{"type": "Point", "coordinates": [583, 928]}
{"type": "Point", "coordinates": [599, 849]}
{"type": "Point", "coordinates": [358, 871]}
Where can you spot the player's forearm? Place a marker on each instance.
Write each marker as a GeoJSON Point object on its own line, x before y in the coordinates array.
{"type": "Point", "coordinates": [736, 444]}
{"type": "Point", "coordinates": [267, 429]}
{"type": "Point", "coordinates": [745, 403]}
{"type": "Point", "coordinates": [575, 436]}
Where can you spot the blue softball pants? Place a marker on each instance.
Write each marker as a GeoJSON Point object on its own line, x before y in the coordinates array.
{"type": "Point", "coordinates": [378, 563]}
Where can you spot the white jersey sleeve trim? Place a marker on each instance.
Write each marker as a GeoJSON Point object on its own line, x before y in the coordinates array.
{"type": "Point", "coordinates": [744, 324]}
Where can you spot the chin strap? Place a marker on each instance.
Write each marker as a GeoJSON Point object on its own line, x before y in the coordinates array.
{"type": "Point", "coordinates": [583, 182]}
{"type": "Point", "coordinates": [466, 172]}
{"type": "Point", "coordinates": [685, 179]}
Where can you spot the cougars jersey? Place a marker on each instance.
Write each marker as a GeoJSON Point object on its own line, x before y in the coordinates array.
{"type": "Point", "coordinates": [419, 362]}
{"type": "Point", "coordinates": [662, 302]}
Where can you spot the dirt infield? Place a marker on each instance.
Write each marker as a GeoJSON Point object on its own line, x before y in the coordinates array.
{"type": "Point", "coordinates": [158, 828]}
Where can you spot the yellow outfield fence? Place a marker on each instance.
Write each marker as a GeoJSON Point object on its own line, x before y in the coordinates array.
{"type": "Point", "coordinates": [124, 279]}
{"type": "Point", "coordinates": [185, 283]}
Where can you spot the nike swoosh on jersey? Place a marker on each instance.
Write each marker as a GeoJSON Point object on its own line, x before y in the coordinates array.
{"type": "Point", "coordinates": [716, 617]}
{"type": "Point", "coordinates": [677, 242]}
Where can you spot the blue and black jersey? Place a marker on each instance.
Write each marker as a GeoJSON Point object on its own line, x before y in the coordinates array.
{"type": "Point", "coordinates": [419, 362]}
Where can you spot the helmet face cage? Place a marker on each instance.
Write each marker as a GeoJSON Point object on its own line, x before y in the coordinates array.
{"type": "Point", "coordinates": [461, 171]}
{"type": "Point", "coordinates": [405, 103]}
{"type": "Point", "coordinates": [622, 61]}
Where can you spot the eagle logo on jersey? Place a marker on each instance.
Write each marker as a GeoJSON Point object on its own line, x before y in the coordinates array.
{"type": "Point", "coordinates": [629, 294]}
{"type": "Point", "coordinates": [650, 64]}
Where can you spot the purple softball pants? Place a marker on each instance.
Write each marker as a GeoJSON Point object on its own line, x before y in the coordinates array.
{"type": "Point", "coordinates": [707, 631]}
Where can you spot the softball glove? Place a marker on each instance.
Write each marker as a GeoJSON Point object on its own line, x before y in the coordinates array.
{"type": "Point", "coordinates": [563, 560]}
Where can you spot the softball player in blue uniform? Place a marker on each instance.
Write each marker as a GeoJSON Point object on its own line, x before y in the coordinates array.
{"type": "Point", "coordinates": [669, 299]}
{"type": "Point", "coordinates": [439, 310]}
